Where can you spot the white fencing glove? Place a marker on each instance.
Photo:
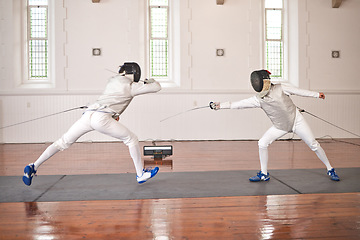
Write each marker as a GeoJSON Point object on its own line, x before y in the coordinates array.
{"type": "Point", "coordinates": [151, 80]}
{"type": "Point", "coordinates": [214, 105]}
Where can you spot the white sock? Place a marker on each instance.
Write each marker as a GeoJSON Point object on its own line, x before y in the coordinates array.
{"type": "Point", "coordinates": [263, 155]}
{"type": "Point", "coordinates": [321, 154]}
{"type": "Point", "coordinates": [135, 154]}
{"type": "Point", "coordinates": [49, 152]}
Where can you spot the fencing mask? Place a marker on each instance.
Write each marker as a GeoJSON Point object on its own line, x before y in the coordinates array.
{"type": "Point", "coordinates": [257, 79]}
{"type": "Point", "coordinates": [131, 68]}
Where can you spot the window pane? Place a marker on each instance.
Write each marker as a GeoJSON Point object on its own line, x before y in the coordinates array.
{"type": "Point", "coordinates": [159, 2]}
{"type": "Point", "coordinates": [273, 24]}
{"type": "Point", "coordinates": [158, 22]}
{"type": "Point", "coordinates": [159, 43]}
{"type": "Point", "coordinates": [273, 3]}
{"type": "Point", "coordinates": [38, 50]}
{"type": "Point", "coordinates": [159, 58]}
{"type": "Point", "coordinates": [38, 22]}
{"type": "Point", "coordinates": [37, 39]}
{"type": "Point", "coordinates": [274, 58]}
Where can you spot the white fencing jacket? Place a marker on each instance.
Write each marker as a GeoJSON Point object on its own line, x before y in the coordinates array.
{"type": "Point", "coordinates": [277, 104]}
{"type": "Point", "coordinates": [119, 92]}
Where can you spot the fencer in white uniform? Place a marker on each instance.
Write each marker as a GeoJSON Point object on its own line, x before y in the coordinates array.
{"type": "Point", "coordinates": [103, 116]}
{"type": "Point", "coordinates": [275, 101]}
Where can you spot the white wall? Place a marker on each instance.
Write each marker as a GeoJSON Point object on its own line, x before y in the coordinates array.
{"type": "Point", "coordinates": [117, 27]}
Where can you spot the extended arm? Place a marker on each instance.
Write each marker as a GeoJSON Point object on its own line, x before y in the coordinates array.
{"type": "Point", "coordinates": [289, 90]}
{"type": "Point", "coordinates": [251, 102]}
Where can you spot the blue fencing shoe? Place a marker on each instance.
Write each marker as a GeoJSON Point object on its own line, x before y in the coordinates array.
{"type": "Point", "coordinates": [147, 174]}
{"type": "Point", "coordinates": [260, 177]}
{"type": "Point", "coordinates": [29, 173]}
{"type": "Point", "coordinates": [333, 175]}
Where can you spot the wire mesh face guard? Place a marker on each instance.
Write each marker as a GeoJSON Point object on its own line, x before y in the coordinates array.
{"type": "Point", "coordinates": [257, 79]}
{"type": "Point", "coordinates": [131, 68]}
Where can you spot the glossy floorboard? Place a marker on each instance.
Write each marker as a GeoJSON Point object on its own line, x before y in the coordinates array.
{"type": "Point", "coordinates": [301, 216]}
{"type": "Point", "coordinates": [309, 216]}
{"type": "Point", "coordinates": [114, 157]}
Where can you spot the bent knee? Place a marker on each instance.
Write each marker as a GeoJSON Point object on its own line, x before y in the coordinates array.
{"type": "Point", "coordinates": [62, 144]}
{"type": "Point", "coordinates": [263, 144]}
{"type": "Point", "coordinates": [314, 145]}
{"type": "Point", "coordinates": [131, 140]}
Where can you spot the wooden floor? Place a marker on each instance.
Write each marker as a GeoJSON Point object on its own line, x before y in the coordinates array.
{"type": "Point", "coordinates": [302, 216]}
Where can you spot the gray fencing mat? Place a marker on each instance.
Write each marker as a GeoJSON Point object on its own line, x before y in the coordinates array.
{"type": "Point", "coordinates": [175, 185]}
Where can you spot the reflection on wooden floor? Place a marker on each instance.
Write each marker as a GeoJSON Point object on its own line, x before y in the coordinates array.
{"type": "Point", "coordinates": [303, 216]}
{"type": "Point", "coordinates": [320, 216]}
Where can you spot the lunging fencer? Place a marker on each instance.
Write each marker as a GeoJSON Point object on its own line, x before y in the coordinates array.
{"type": "Point", "coordinates": [275, 101]}
{"type": "Point", "coordinates": [103, 116]}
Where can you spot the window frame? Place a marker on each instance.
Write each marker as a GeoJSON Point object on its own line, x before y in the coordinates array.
{"type": "Point", "coordinates": [283, 40]}
{"type": "Point", "coordinates": [167, 38]}
{"type": "Point", "coordinates": [27, 81]}
{"type": "Point", "coordinates": [173, 78]}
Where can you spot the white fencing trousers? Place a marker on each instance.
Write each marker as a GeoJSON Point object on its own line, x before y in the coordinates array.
{"type": "Point", "coordinates": [103, 123]}
{"type": "Point", "coordinates": [302, 129]}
